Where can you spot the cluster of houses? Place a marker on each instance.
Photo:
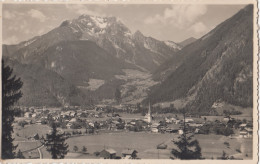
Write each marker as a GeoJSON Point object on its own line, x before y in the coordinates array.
{"type": "Point", "coordinates": [245, 131]}
{"type": "Point", "coordinates": [88, 119]}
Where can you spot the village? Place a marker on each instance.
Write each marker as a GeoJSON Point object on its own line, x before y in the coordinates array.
{"type": "Point", "coordinates": [77, 122]}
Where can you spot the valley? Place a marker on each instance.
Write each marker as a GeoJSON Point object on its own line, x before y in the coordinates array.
{"type": "Point", "coordinates": [112, 91]}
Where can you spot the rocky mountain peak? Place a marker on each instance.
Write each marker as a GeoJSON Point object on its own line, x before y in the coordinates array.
{"type": "Point", "coordinates": [138, 36]}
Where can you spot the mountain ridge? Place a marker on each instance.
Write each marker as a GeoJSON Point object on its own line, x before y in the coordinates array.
{"type": "Point", "coordinates": [107, 32]}
{"type": "Point", "coordinates": [218, 66]}
{"type": "Point", "coordinates": [187, 41]}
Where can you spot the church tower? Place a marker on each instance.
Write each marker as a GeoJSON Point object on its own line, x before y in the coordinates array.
{"type": "Point", "coordinates": [149, 117]}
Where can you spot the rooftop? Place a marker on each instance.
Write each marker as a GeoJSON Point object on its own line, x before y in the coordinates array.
{"type": "Point", "coordinates": [111, 151]}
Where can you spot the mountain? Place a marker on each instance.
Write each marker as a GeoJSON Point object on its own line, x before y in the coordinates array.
{"type": "Point", "coordinates": [187, 41]}
{"type": "Point", "coordinates": [216, 67]}
{"type": "Point", "coordinates": [84, 56]}
{"type": "Point", "coordinates": [108, 33]}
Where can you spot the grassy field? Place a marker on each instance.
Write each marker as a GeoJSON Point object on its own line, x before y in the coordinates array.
{"type": "Point", "coordinates": [29, 131]}
{"type": "Point", "coordinates": [141, 141]}
{"type": "Point", "coordinates": [213, 146]}
{"type": "Point", "coordinates": [145, 144]}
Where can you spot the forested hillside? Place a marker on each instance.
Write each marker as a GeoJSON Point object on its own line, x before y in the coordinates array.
{"type": "Point", "coordinates": [218, 66]}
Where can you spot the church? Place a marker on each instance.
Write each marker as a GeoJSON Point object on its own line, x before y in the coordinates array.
{"type": "Point", "coordinates": [148, 116]}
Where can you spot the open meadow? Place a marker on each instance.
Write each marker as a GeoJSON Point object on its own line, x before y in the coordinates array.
{"type": "Point", "coordinates": [146, 143]}
{"type": "Point", "coordinates": [213, 146]}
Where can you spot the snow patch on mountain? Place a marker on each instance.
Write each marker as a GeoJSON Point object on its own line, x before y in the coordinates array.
{"type": "Point", "coordinates": [128, 33]}
{"type": "Point", "coordinates": [147, 46]}
{"type": "Point", "coordinates": [117, 47]}
{"type": "Point", "coordinates": [80, 27]}
{"type": "Point", "coordinates": [156, 62]}
{"type": "Point", "coordinates": [29, 42]}
{"type": "Point", "coordinates": [100, 22]}
{"type": "Point", "coordinates": [74, 30]}
{"type": "Point", "coordinates": [172, 44]}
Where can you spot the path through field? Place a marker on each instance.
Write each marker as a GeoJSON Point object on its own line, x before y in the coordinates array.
{"type": "Point", "coordinates": [40, 152]}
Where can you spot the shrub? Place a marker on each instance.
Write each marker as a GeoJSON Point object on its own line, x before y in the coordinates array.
{"type": "Point", "coordinates": [238, 150]}
{"type": "Point", "coordinates": [22, 123]}
{"type": "Point", "coordinates": [97, 153]}
{"type": "Point", "coordinates": [227, 144]}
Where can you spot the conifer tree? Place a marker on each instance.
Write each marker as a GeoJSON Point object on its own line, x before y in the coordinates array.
{"type": "Point", "coordinates": [75, 148]}
{"type": "Point", "coordinates": [55, 143]}
{"type": "Point", "coordinates": [20, 155]}
{"type": "Point", "coordinates": [11, 93]}
{"type": "Point", "coordinates": [187, 148]}
{"type": "Point", "coordinates": [84, 149]}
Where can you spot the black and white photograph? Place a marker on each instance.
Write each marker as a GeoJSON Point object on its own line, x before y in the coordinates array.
{"type": "Point", "coordinates": [126, 81]}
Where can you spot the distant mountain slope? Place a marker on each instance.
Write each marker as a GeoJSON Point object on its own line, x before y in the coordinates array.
{"type": "Point", "coordinates": [78, 61]}
{"type": "Point", "coordinates": [187, 41]}
{"type": "Point", "coordinates": [218, 66]}
{"type": "Point", "coordinates": [42, 87]}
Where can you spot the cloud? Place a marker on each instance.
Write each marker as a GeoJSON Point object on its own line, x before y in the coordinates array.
{"type": "Point", "coordinates": [18, 26]}
{"type": "Point", "coordinates": [27, 31]}
{"type": "Point", "coordinates": [83, 9]}
{"type": "Point", "coordinates": [152, 20]}
{"type": "Point", "coordinates": [11, 14]}
{"type": "Point", "coordinates": [8, 15]}
{"type": "Point", "coordinates": [37, 15]}
{"type": "Point", "coordinates": [13, 28]}
{"type": "Point", "coordinates": [11, 40]}
{"type": "Point", "coordinates": [199, 28]}
{"type": "Point", "coordinates": [179, 15]}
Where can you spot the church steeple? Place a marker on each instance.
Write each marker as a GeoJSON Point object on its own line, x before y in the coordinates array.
{"type": "Point", "coordinates": [149, 117]}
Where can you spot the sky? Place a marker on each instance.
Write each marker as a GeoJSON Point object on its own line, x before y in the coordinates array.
{"type": "Point", "coordinates": [163, 22]}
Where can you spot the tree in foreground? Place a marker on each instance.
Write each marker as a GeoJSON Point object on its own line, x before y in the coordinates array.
{"type": "Point", "coordinates": [75, 148]}
{"type": "Point", "coordinates": [84, 149]}
{"type": "Point", "coordinates": [55, 143]}
{"type": "Point", "coordinates": [11, 93]}
{"type": "Point", "coordinates": [20, 155]}
{"type": "Point", "coordinates": [224, 155]}
{"type": "Point", "coordinates": [187, 147]}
